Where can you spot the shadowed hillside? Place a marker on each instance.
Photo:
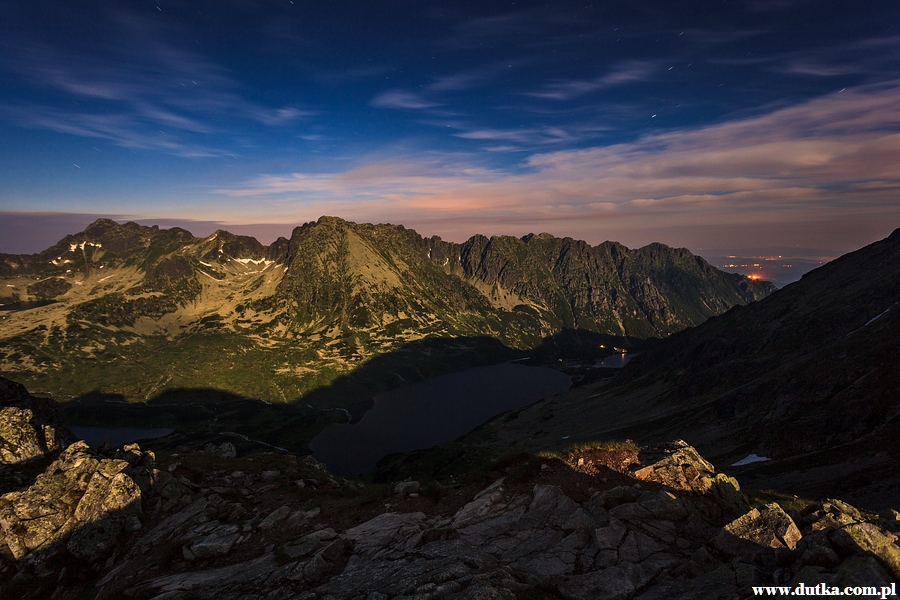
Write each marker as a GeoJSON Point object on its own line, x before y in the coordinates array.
{"type": "Point", "coordinates": [807, 376]}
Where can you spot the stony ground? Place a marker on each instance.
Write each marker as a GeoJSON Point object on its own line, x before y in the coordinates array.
{"type": "Point", "coordinates": [596, 522]}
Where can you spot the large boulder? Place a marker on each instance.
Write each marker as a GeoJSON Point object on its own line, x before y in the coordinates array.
{"type": "Point", "coordinates": [29, 426]}
{"type": "Point", "coordinates": [678, 465]}
{"type": "Point", "coordinates": [83, 502]}
{"type": "Point", "coordinates": [765, 527]}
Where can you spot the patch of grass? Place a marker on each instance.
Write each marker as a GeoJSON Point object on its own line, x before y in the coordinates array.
{"type": "Point", "coordinates": [790, 503]}
{"type": "Point", "coordinates": [583, 447]}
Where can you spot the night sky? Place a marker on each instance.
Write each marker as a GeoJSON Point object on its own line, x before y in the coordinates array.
{"type": "Point", "coordinates": [731, 127]}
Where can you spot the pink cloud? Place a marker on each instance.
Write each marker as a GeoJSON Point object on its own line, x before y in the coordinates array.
{"type": "Point", "coordinates": [800, 168]}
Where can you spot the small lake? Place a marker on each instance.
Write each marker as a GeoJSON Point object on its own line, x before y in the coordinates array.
{"type": "Point", "coordinates": [26, 305]}
{"type": "Point", "coordinates": [433, 412]}
{"type": "Point", "coordinates": [116, 436]}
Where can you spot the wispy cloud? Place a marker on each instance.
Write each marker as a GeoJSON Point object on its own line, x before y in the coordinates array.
{"type": "Point", "coordinates": [128, 89]}
{"type": "Point", "coordinates": [125, 130]}
{"type": "Point", "coordinates": [530, 136]}
{"type": "Point", "coordinates": [835, 155]}
{"type": "Point", "coordinates": [623, 74]}
{"type": "Point", "coordinates": [460, 81]}
{"type": "Point", "coordinates": [809, 67]}
{"type": "Point", "coordinates": [276, 117]}
{"type": "Point", "coordinates": [874, 58]}
{"type": "Point", "coordinates": [401, 100]}
{"type": "Point", "coordinates": [479, 32]}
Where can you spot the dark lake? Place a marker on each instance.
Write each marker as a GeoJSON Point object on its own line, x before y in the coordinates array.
{"type": "Point", "coordinates": [615, 361]}
{"type": "Point", "coordinates": [13, 306]}
{"type": "Point", "coordinates": [433, 412]}
{"type": "Point", "coordinates": [116, 436]}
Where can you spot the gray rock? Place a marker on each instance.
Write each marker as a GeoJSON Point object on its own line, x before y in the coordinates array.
{"type": "Point", "coordinates": [387, 534]}
{"type": "Point", "coordinates": [333, 550]}
{"type": "Point", "coordinates": [274, 517]}
{"type": "Point", "coordinates": [845, 508]}
{"type": "Point", "coordinates": [210, 583]}
{"type": "Point", "coordinates": [638, 547]}
{"type": "Point", "coordinates": [728, 491]}
{"type": "Point", "coordinates": [614, 583]}
{"type": "Point", "coordinates": [552, 507]}
{"type": "Point", "coordinates": [765, 527]}
{"type": "Point", "coordinates": [218, 542]}
{"type": "Point", "coordinates": [815, 550]}
{"type": "Point", "coordinates": [865, 538]}
{"type": "Point", "coordinates": [481, 507]}
{"type": "Point", "coordinates": [863, 571]}
{"type": "Point", "coordinates": [300, 548]}
{"type": "Point", "coordinates": [407, 487]}
{"type": "Point", "coordinates": [609, 537]}
{"type": "Point", "coordinates": [103, 513]}
{"type": "Point", "coordinates": [296, 519]}
{"type": "Point", "coordinates": [315, 569]}
{"type": "Point", "coordinates": [652, 506]}
{"type": "Point", "coordinates": [614, 497]}
{"type": "Point", "coordinates": [223, 450]}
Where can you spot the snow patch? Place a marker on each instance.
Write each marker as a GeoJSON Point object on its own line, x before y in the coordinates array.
{"type": "Point", "coordinates": [873, 319]}
{"type": "Point", "coordinates": [749, 460]}
{"type": "Point", "coordinates": [261, 261]}
{"type": "Point", "coordinates": [72, 247]}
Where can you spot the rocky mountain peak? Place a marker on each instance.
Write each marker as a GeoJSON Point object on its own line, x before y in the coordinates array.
{"type": "Point", "coordinates": [333, 297]}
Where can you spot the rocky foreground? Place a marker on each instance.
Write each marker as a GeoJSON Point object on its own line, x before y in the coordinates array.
{"type": "Point", "coordinates": [599, 522]}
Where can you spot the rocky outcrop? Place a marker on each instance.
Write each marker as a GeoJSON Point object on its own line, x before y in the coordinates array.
{"type": "Point", "coordinates": [81, 506]}
{"type": "Point", "coordinates": [679, 466]}
{"type": "Point", "coordinates": [665, 535]}
{"type": "Point", "coordinates": [223, 450]}
{"type": "Point", "coordinates": [29, 428]}
{"type": "Point", "coordinates": [765, 527]}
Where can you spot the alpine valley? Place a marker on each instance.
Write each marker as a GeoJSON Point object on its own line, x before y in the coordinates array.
{"type": "Point", "coordinates": [228, 334]}
{"type": "Point", "coordinates": [765, 421]}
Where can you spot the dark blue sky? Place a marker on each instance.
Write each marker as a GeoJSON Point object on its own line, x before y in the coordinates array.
{"type": "Point", "coordinates": [733, 125]}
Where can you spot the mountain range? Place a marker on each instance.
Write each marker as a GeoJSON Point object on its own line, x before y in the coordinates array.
{"type": "Point", "coordinates": [134, 311]}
